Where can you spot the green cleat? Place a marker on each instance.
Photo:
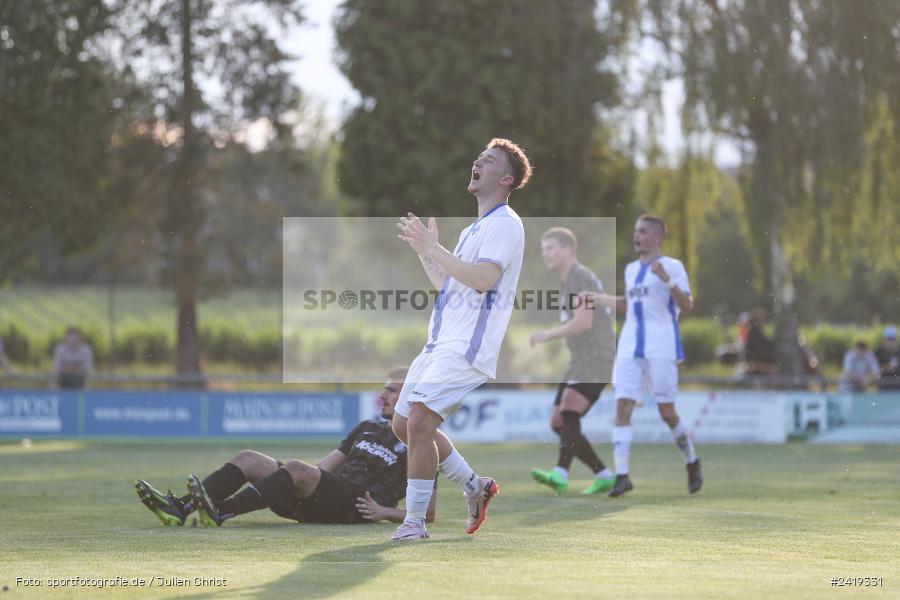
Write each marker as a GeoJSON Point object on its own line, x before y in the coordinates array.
{"type": "Point", "coordinates": [600, 484]}
{"type": "Point", "coordinates": [551, 479]}
{"type": "Point", "coordinates": [207, 513]}
{"type": "Point", "coordinates": [167, 508]}
{"type": "Point", "coordinates": [539, 475]}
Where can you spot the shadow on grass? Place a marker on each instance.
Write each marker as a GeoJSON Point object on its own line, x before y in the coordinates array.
{"type": "Point", "coordinates": [329, 572]}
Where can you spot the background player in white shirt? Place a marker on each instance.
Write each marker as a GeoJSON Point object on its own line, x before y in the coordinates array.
{"type": "Point", "coordinates": [656, 293]}
{"type": "Point", "coordinates": [477, 283]}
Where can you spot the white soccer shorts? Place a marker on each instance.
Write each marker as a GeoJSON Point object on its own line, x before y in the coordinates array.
{"type": "Point", "coordinates": [441, 380]}
{"type": "Point", "coordinates": [640, 378]}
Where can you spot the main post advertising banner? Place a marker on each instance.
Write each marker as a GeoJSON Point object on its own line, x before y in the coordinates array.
{"type": "Point", "coordinates": [32, 412]}
{"type": "Point", "coordinates": [282, 414]}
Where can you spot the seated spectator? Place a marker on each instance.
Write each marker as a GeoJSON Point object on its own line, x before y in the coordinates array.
{"type": "Point", "coordinates": [860, 368]}
{"type": "Point", "coordinates": [759, 350]}
{"type": "Point", "coordinates": [73, 361]}
{"type": "Point", "coordinates": [743, 328]}
{"type": "Point", "coordinates": [888, 355]}
{"type": "Point", "coordinates": [809, 364]}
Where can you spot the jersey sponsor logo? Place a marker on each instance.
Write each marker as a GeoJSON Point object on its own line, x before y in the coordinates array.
{"type": "Point", "coordinates": [418, 393]}
{"type": "Point", "coordinates": [638, 292]}
{"type": "Point", "coordinates": [399, 447]}
{"type": "Point", "coordinates": [377, 450]}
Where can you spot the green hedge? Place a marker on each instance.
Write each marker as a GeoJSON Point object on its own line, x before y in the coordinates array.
{"type": "Point", "coordinates": [830, 342]}
{"type": "Point", "coordinates": [149, 345]}
{"type": "Point", "coordinates": [225, 342]}
{"type": "Point", "coordinates": [700, 337]}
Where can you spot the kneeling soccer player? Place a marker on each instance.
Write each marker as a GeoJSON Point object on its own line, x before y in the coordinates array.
{"type": "Point", "coordinates": [361, 481]}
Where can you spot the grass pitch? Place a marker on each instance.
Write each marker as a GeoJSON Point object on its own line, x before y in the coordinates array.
{"type": "Point", "coordinates": [779, 520]}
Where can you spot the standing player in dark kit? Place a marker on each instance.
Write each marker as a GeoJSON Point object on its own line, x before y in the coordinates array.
{"type": "Point", "coordinates": [362, 480]}
{"type": "Point", "coordinates": [591, 340]}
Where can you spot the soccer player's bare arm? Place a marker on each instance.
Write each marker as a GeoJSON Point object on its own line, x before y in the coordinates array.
{"type": "Point", "coordinates": [478, 276]}
{"type": "Point", "coordinates": [333, 461]}
{"type": "Point", "coordinates": [616, 303]}
{"type": "Point", "coordinates": [684, 300]}
{"type": "Point", "coordinates": [436, 275]}
{"type": "Point", "coordinates": [372, 511]}
{"type": "Point", "coordinates": [582, 320]}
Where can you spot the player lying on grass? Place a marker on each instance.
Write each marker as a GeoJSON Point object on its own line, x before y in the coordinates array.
{"type": "Point", "coordinates": [361, 481]}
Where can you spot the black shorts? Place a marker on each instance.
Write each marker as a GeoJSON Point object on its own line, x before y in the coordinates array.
{"type": "Point", "coordinates": [591, 391]}
{"type": "Point", "coordinates": [333, 501]}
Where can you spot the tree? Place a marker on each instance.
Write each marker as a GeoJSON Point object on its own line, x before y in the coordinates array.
{"type": "Point", "coordinates": [57, 116]}
{"type": "Point", "coordinates": [799, 85]}
{"type": "Point", "coordinates": [214, 67]}
{"type": "Point", "coordinates": [438, 80]}
{"type": "Point", "coordinates": [685, 196]}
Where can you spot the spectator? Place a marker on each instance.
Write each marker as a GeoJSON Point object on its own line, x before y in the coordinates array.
{"type": "Point", "coordinates": [731, 353]}
{"type": "Point", "coordinates": [4, 361]}
{"type": "Point", "coordinates": [759, 350]}
{"type": "Point", "coordinates": [888, 355]}
{"type": "Point", "coordinates": [743, 328]}
{"type": "Point", "coordinates": [809, 363]}
{"type": "Point", "coordinates": [73, 361]}
{"type": "Point", "coordinates": [860, 368]}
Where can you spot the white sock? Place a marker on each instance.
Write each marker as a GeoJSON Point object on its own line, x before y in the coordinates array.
{"type": "Point", "coordinates": [605, 474]}
{"type": "Point", "coordinates": [684, 442]}
{"type": "Point", "coordinates": [456, 469]}
{"type": "Point", "coordinates": [562, 472]}
{"type": "Point", "coordinates": [621, 439]}
{"type": "Point", "coordinates": [418, 495]}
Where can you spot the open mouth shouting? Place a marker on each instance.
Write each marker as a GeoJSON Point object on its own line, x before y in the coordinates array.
{"type": "Point", "coordinates": [476, 176]}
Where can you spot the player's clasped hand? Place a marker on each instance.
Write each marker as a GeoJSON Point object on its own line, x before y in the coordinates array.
{"type": "Point", "coordinates": [369, 509]}
{"type": "Point", "coordinates": [422, 239]}
{"type": "Point", "coordinates": [659, 271]}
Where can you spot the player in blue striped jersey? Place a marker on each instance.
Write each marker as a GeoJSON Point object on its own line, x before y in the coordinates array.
{"type": "Point", "coordinates": [657, 292]}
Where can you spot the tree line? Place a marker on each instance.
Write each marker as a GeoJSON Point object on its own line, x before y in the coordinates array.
{"type": "Point", "coordinates": [127, 156]}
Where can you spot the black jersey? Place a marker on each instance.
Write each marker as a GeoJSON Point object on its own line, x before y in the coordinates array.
{"type": "Point", "coordinates": [592, 352]}
{"type": "Point", "coordinates": [376, 461]}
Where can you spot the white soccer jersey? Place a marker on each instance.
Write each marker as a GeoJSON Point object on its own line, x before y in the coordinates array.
{"type": "Point", "coordinates": [651, 323]}
{"type": "Point", "coordinates": [471, 323]}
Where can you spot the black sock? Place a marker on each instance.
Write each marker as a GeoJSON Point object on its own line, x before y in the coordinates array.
{"type": "Point", "coordinates": [246, 500]}
{"type": "Point", "coordinates": [585, 453]}
{"type": "Point", "coordinates": [224, 482]}
{"type": "Point", "coordinates": [277, 488]}
{"type": "Point", "coordinates": [568, 439]}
